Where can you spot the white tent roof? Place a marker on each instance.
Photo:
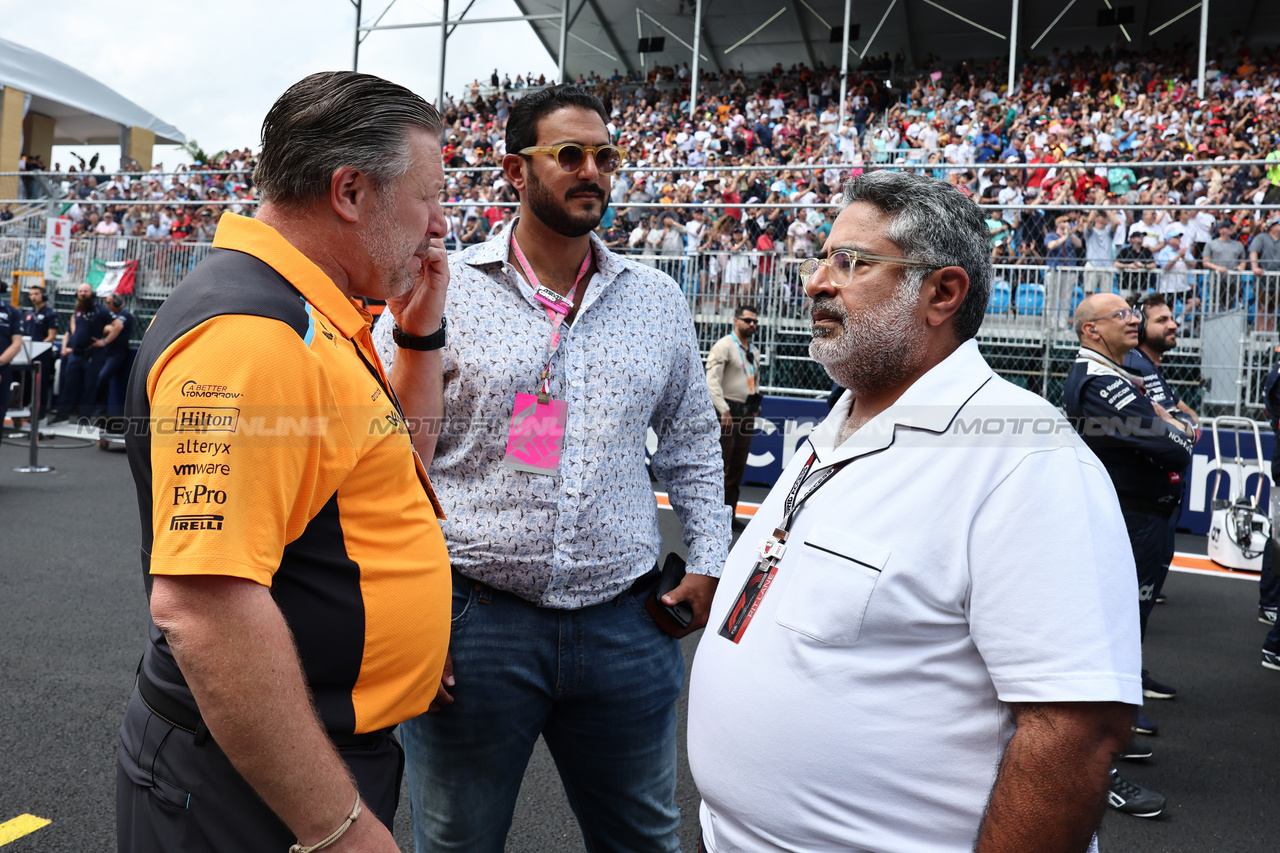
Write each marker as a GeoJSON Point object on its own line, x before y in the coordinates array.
{"type": "Point", "coordinates": [84, 110]}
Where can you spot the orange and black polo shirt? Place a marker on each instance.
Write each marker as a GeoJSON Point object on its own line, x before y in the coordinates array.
{"type": "Point", "coordinates": [266, 444]}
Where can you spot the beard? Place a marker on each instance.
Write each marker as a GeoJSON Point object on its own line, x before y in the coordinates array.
{"type": "Point", "coordinates": [83, 304]}
{"type": "Point", "coordinates": [874, 350]}
{"type": "Point", "coordinates": [391, 257]}
{"type": "Point", "coordinates": [1161, 345]}
{"type": "Point", "coordinates": [552, 213]}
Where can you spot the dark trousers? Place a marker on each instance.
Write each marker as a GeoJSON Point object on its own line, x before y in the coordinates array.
{"type": "Point", "coordinates": [1269, 582]}
{"type": "Point", "coordinates": [175, 791]}
{"type": "Point", "coordinates": [112, 380]}
{"type": "Point", "coordinates": [47, 361]}
{"type": "Point", "coordinates": [1170, 546]}
{"type": "Point", "coordinates": [735, 447]}
{"type": "Point", "coordinates": [1147, 536]}
{"type": "Point", "coordinates": [1269, 589]}
{"type": "Point", "coordinates": [80, 383]}
{"type": "Point", "coordinates": [6, 379]}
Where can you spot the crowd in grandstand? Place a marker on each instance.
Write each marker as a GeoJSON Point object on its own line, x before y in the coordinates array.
{"type": "Point", "coordinates": [1077, 121]}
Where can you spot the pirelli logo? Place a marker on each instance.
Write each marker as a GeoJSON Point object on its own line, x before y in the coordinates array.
{"type": "Point", "coordinates": [196, 522]}
{"type": "Point", "coordinates": [203, 419]}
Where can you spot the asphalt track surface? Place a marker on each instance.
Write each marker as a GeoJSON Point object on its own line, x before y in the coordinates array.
{"type": "Point", "coordinates": [73, 619]}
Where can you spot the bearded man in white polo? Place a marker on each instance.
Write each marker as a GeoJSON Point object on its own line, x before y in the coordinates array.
{"type": "Point", "coordinates": [880, 670]}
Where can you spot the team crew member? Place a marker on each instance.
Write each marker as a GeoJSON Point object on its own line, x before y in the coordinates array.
{"type": "Point", "coordinates": [731, 376]}
{"type": "Point", "coordinates": [835, 639]}
{"type": "Point", "coordinates": [553, 527]}
{"type": "Point", "coordinates": [1144, 448]}
{"type": "Point", "coordinates": [83, 354]}
{"type": "Point", "coordinates": [1157, 335]}
{"type": "Point", "coordinates": [41, 325]}
{"type": "Point", "coordinates": [115, 366]}
{"type": "Point", "coordinates": [296, 572]}
{"type": "Point", "coordinates": [10, 346]}
{"type": "Point", "coordinates": [1269, 583]}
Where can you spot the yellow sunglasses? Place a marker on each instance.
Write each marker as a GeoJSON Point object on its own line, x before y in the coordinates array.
{"type": "Point", "coordinates": [570, 156]}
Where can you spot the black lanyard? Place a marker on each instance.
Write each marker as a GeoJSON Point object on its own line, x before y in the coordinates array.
{"type": "Point", "coordinates": [760, 578]}
{"type": "Point", "coordinates": [791, 505]}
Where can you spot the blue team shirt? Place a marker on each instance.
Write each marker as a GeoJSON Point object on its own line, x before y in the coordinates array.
{"type": "Point", "coordinates": [90, 326]}
{"type": "Point", "coordinates": [10, 325]}
{"type": "Point", "coordinates": [38, 323]}
{"type": "Point", "coordinates": [120, 343]}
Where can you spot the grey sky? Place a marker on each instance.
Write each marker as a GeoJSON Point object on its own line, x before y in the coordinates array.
{"type": "Point", "coordinates": [213, 69]}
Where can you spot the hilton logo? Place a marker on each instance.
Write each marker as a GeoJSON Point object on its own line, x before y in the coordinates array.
{"type": "Point", "coordinates": [217, 419]}
{"type": "Point", "coordinates": [195, 522]}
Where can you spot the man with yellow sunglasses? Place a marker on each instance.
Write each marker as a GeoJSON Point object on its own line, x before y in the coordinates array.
{"type": "Point", "coordinates": [560, 357]}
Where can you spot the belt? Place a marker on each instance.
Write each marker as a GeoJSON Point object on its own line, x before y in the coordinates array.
{"type": "Point", "coordinates": [175, 713]}
{"type": "Point", "coordinates": [639, 587]}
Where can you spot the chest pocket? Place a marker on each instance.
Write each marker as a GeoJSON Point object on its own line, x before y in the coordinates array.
{"type": "Point", "coordinates": [830, 587]}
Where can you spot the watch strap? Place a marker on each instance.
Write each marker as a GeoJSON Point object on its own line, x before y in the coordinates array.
{"type": "Point", "coordinates": [421, 343]}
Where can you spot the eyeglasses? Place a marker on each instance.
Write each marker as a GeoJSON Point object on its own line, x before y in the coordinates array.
{"type": "Point", "coordinates": [840, 265]}
{"type": "Point", "coordinates": [1126, 315]}
{"type": "Point", "coordinates": [751, 321]}
{"type": "Point", "coordinates": [570, 156]}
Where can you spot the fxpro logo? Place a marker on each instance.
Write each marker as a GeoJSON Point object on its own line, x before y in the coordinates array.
{"type": "Point", "coordinates": [191, 388]}
{"type": "Point", "coordinates": [216, 419]}
{"type": "Point", "coordinates": [195, 522]}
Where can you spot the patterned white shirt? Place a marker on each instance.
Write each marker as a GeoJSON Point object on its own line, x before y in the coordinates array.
{"type": "Point", "coordinates": [629, 361]}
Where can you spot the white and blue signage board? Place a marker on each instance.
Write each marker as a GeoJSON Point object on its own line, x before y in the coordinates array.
{"type": "Point", "coordinates": [785, 423]}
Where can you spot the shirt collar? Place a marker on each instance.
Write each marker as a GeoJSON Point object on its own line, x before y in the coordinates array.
{"type": "Point", "coordinates": [497, 251]}
{"type": "Point", "coordinates": [1091, 355]}
{"type": "Point", "coordinates": [929, 405]}
{"type": "Point", "coordinates": [242, 234]}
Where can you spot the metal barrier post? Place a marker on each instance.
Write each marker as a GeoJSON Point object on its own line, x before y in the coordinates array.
{"type": "Point", "coordinates": [33, 427]}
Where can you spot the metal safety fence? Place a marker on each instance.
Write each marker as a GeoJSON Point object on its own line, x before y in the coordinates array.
{"type": "Point", "coordinates": [1229, 321]}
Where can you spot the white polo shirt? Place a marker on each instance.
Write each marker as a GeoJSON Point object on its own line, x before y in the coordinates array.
{"type": "Point", "coordinates": [972, 554]}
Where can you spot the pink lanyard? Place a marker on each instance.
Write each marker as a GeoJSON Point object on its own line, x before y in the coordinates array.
{"type": "Point", "coordinates": [557, 307]}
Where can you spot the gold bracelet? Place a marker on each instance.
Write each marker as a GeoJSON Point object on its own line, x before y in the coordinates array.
{"type": "Point", "coordinates": [335, 835]}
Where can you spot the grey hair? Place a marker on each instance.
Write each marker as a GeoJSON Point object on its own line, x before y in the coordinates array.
{"type": "Point", "coordinates": [334, 119]}
{"type": "Point", "coordinates": [933, 222]}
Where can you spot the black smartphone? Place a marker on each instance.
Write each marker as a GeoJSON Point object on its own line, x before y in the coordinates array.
{"type": "Point", "coordinates": [673, 571]}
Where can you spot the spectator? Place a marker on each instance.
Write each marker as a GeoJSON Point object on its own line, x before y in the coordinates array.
{"type": "Point", "coordinates": [1224, 257]}
{"type": "Point", "coordinates": [1098, 258]}
{"type": "Point", "coordinates": [473, 231]}
{"type": "Point", "coordinates": [1173, 262]}
{"type": "Point", "coordinates": [1061, 247]}
{"type": "Point", "coordinates": [1135, 262]}
{"type": "Point", "coordinates": [1264, 261]}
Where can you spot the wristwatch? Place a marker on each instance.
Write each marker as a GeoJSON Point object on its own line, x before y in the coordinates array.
{"type": "Point", "coordinates": [421, 343]}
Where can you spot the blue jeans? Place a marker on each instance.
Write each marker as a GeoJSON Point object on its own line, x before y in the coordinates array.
{"type": "Point", "coordinates": [599, 684]}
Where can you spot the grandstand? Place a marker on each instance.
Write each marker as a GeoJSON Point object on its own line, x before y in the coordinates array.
{"type": "Point", "coordinates": [730, 193]}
